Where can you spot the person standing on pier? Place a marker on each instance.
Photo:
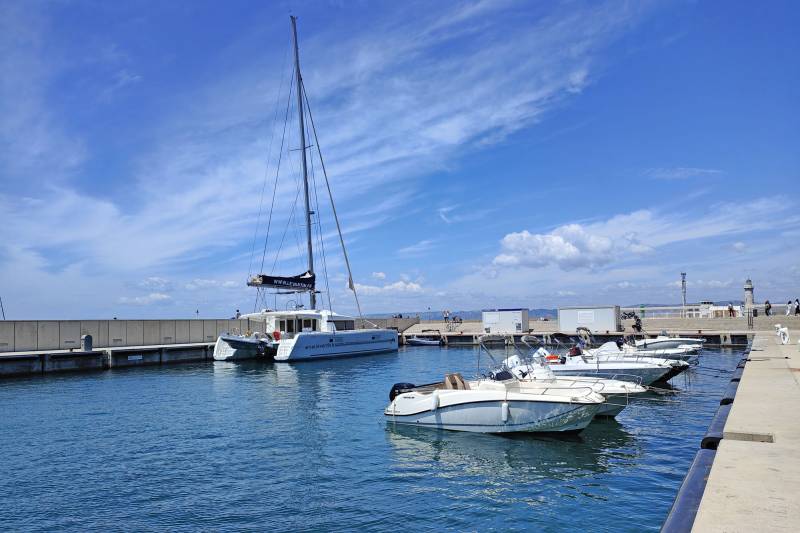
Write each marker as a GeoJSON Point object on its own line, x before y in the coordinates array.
{"type": "Point", "coordinates": [796, 306]}
{"type": "Point", "coordinates": [767, 308]}
{"type": "Point", "coordinates": [730, 309]}
{"type": "Point", "coordinates": [788, 308]}
{"type": "Point", "coordinates": [238, 314]}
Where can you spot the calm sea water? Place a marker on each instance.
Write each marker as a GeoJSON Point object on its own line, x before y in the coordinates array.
{"type": "Point", "coordinates": [305, 447]}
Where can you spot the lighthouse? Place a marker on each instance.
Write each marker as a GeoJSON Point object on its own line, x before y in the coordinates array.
{"type": "Point", "coordinates": [748, 296]}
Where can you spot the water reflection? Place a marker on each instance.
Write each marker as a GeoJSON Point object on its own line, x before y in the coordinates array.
{"type": "Point", "coordinates": [520, 456]}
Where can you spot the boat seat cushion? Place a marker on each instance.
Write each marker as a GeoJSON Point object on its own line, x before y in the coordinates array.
{"type": "Point", "coordinates": [455, 382]}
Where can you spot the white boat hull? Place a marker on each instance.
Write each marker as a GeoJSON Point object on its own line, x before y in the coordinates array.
{"type": "Point", "coordinates": [321, 345]}
{"type": "Point", "coordinates": [630, 372]}
{"type": "Point", "coordinates": [486, 417]}
{"type": "Point", "coordinates": [661, 343]}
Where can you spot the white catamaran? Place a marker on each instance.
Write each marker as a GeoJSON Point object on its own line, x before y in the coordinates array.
{"type": "Point", "coordinates": [304, 334]}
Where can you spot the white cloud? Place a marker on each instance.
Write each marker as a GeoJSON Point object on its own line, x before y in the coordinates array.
{"type": "Point", "coordinates": [200, 284]}
{"type": "Point", "coordinates": [680, 173]}
{"type": "Point", "coordinates": [569, 247]}
{"type": "Point", "coordinates": [739, 246]}
{"type": "Point", "coordinates": [442, 211]}
{"type": "Point", "coordinates": [156, 283]}
{"type": "Point", "coordinates": [153, 298]}
{"type": "Point", "coordinates": [624, 237]}
{"type": "Point", "coordinates": [379, 275]}
{"type": "Point", "coordinates": [398, 287]}
{"type": "Point", "coordinates": [416, 249]}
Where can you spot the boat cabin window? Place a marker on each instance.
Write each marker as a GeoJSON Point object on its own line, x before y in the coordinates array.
{"type": "Point", "coordinates": [344, 324]}
{"type": "Point", "coordinates": [289, 326]}
{"type": "Point", "coordinates": [309, 324]}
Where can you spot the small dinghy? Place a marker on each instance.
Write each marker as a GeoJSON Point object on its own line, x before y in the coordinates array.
{"type": "Point", "coordinates": [234, 347]}
{"type": "Point", "coordinates": [417, 341]}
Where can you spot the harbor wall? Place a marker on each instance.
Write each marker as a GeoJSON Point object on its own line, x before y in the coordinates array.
{"type": "Point", "coordinates": [38, 335]}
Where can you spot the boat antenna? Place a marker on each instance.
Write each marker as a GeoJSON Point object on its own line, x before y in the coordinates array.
{"type": "Point", "coordinates": [350, 284]}
{"type": "Point", "coordinates": [312, 293]}
{"type": "Point", "coordinates": [1, 308]}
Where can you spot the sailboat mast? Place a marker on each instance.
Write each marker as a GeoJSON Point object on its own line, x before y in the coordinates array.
{"type": "Point", "coordinates": [300, 114]}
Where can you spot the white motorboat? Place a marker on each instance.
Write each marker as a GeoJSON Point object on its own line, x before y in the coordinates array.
{"type": "Point", "coordinates": [620, 349]}
{"type": "Point", "coordinates": [502, 405]}
{"type": "Point", "coordinates": [644, 370]}
{"type": "Point", "coordinates": [535, 374]}
{"type": "Point", "coordinates": [232, 347]}
{"type": "Point", "coordinates": [304, 333]}
{"type": "Point", "coordinates": [664, 341]}
{"type": "Point", "coordinates": [419, 341]}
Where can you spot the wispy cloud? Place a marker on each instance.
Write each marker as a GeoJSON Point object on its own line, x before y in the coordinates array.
{"type": "Point", "coordinates": [416, 249]}
{"type": "Point", "coordinates": [681, 173]}
{"type": "Point", "coordinates": [438, 82]}
{"type": "Point", "coordinates": [35, 146]}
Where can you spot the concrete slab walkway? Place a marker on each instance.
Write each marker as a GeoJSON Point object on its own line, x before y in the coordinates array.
{"type": "Point", "coordinates": [754, 484]}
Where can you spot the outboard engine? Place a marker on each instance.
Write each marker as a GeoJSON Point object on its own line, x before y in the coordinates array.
{"type": "Point", "coordinates": [501, 375]}
{"type": "Point", "coordinates": [400, 388]}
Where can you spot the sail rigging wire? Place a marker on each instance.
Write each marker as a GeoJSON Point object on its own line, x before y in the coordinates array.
{"type": "Point", "coordinates": [283, 236]}
{"type": "Point", "coordinates": [277, 171]}
{"type": "Point", "coordinates": [266, 168]}
{"type": "Point", "coordinates": [320, 240]}
{"type": "Point", "coordinates": [351, 284]}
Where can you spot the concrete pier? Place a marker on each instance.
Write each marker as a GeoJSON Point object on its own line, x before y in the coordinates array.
{"type": "Point", "coordinates": [754, 481]}
{"type": "Point", "coordinates": [47, 361]}
{"type": "Point", "coordinates": [716, 331]}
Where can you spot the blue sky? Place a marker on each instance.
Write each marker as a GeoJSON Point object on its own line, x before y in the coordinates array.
{"type": "Point", "coordinates": [481, 154]}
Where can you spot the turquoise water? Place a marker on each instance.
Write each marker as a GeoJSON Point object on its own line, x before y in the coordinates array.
{"type": "Point", "coordinates": [305, 447]}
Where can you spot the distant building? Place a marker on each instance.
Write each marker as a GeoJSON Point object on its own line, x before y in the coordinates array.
{"type": "Point", "coordinates": [505, 321]}
{"type": "Point", "coordinates": [595, 319]}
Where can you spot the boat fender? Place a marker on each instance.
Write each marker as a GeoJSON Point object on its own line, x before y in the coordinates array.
{"type": "Point", "coordinates": [435, 400]}
{"type": "Point", "coordinates": [276, 335]}
{"type": "Point", "coordinates": [552, 357]}
{"type": "Point", "coordinates": [504, 412]}
{"type": "Point", "coordinates": [399, 388]}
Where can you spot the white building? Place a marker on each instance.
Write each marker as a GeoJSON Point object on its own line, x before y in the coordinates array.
{"type": "Point", "coordinates": [505, 321]}
{"type": "Point", "coordinates": [595, 319]}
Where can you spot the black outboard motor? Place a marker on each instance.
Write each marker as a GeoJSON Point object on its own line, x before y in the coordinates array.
{"type": "Point", "coordinates": [619, 343]}
{"type": "Point", "coordinates": [400, 388]}
{"type": "Point", "coordinates": [501, 375]}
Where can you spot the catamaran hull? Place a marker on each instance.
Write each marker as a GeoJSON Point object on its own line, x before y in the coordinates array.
{"type": "Point", "coordinates": [232, 348]}
{"type": "Point", "coordinates": [487, 417]}
{"type": "Point", "coordinates": [319, 345]}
